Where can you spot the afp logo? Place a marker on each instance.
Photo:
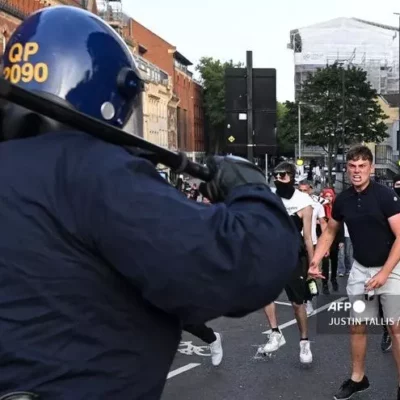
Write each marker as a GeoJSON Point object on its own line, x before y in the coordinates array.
{"type": "Point", "coordinates": [358, 306]}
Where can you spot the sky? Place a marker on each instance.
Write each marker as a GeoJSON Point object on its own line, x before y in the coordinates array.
{"type": "Point", "coordinates": [226, 29]}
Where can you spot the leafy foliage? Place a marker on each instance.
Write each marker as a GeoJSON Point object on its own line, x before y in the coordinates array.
{"type": "Point", "coordinates": [285, 145]}
{"type": "Point", "coordinates": [324, 120]}
{"type": "Point", "coordinates": [213, 79]}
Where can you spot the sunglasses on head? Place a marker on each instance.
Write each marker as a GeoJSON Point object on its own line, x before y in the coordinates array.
{"type": "Point", "coordinates": [280, 174]}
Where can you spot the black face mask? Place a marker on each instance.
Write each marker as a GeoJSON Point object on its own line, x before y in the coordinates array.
{"type": "Point", "coordinates": [284, 189]}
{"type": "Point", "coordinates": [397, 190]}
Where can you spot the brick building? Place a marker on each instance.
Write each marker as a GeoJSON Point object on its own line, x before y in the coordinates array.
{"type": "Point", "coordinates": [198, 118]}
{"type": "Point", "coordinates": [185, 108]}
{"type": "Point", "coordinates": [13, 12]}
{"type": "Point", "coordinates": [172, 99]}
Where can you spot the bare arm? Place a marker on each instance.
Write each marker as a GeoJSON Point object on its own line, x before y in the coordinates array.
{"type": "Point", "coordinates": [306, 214]}
{"type": "Point", "coordinates": [323, 224]}
{"type": "Point", "coordinates": [394, 256]}
{"type": "Point", "coordinates": [323, 245]}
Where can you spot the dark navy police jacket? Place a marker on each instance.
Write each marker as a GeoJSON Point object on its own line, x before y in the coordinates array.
{"type": "Point", "coordinates": [102, 261]}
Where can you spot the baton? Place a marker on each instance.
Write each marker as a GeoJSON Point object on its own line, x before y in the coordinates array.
{"type": "Point", "coordinates": [101, 130]}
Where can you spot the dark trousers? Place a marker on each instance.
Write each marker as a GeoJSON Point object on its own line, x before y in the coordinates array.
{"type": "Point", "coordinates": [333, 257]}
{"type": "Point", "coordinates": [203, 332]}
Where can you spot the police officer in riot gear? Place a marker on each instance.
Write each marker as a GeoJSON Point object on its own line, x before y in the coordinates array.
{"type": "Point", "coordinates": [101, 260]}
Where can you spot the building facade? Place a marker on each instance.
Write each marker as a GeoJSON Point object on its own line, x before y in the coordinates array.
{"type": "Point", "coordinates": [157, 52]}
{"type": "Point", "coordinates": [370, 46]}
{"type": "Point", "coordinates": [185, 122]}
{"type": "Point", "coordinates": [153, 48]}
{"type": "Point", "coordinates": [387, 153]}
{"type": "Point", "coordinates": [172, 100]}
{"type": "Point", "coordinates": [156, 101]}
{"type": "Point", "coordinates": [198, 120]}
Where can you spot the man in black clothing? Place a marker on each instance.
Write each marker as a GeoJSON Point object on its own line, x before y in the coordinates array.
{"type": "Point", "coordinates": [207, 335]}
{"type": "Point", "coordinates": [372, 213]}
{"type": "Point", "coordinates": [299, 207]}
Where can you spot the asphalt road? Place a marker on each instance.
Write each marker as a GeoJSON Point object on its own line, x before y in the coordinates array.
{"type": "Point", "coordinates": [245, 375]}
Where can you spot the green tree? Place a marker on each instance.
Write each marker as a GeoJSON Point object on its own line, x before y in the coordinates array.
{"type": "Point", "coordinates": [212, 73]}
{"type": "Point", "coordinates": [324, 120]}
{"type": "Point", "coordinates": [284, 146]}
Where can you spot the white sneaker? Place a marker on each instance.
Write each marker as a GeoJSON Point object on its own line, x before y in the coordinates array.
{"type": "Point", "coordinates": [216, 350]}
{"type": "Point", "coordinates": [305, 352]}
{"type": "Point", "coordinates": [309, 308]}
{"type": "Point", "coordinates": [275, 341]}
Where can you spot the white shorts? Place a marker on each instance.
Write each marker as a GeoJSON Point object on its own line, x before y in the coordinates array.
{"type": "Point", "coordinates": [388, 294]}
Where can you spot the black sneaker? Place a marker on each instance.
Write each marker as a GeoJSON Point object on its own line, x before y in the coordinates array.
{"type": "Point", "coordinates": [335, 285]}
{"type": "Point", "coordinates": [386, 342]}
{"type": "Point", "coordinates": [350, 388]}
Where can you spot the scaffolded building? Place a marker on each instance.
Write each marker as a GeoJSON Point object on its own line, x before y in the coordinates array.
{"type": "Point", "coordinates": [111, 12]}
{"type": "Point", "coordinates": [350, 41]}
{"type": "Point", "coordinates": [371, 46]}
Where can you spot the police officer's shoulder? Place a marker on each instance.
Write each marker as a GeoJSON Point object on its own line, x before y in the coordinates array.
{"type": "Point", "coordinates": [98, 157]}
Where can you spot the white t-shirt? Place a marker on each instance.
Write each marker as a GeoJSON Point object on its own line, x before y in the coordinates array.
{"type": "Point", "coordinates": [346, 231]}
{"type": "Point", "coordinates": [318, 212]}
{"type": "Point", "coordinates": [297, 202]}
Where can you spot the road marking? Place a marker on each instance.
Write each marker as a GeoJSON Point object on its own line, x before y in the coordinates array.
{"type": "Point", "coordinates": [283, 303]}
{"type": "Point", "coordinates": [318, 310]}
{"type": "Point", "coordinates": [182, 370]}
{"type": "Point", "coordinates": [189, 349]}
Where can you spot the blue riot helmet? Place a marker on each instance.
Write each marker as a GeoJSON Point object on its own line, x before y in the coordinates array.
{"type": "Point", "coordinates": [74, 57]}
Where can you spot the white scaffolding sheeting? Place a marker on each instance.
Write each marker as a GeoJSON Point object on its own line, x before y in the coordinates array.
{"type": "Point", "coordinates": [111, 12]}
{"type": "Point", "coordinates": [373, 47]}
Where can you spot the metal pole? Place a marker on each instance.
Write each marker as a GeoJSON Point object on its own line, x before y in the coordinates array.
{"type": "Point", "coordinates": [343, 129]}
{"type": "Point", "coordinates": [249, 62]}
{"type": "Point", "coordinates": [266, 167]}
{"type": "Point", "coordinates": [343, 112]}
{"type": "Point", "coordinates": [299, 153]}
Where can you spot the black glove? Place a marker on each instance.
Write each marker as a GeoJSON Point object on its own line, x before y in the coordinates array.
{"type": "Point", "coordinates": [228, 173]}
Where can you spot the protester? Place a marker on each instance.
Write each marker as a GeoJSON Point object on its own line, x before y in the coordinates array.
{"type": "Point", "coordinates": [372, 214]}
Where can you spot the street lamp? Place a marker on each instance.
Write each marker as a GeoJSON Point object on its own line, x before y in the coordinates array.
{"type": "Point", "coordinates": [299, 131]}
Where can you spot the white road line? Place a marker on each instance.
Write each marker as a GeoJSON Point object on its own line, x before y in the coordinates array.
{"type": "Point", "coordinates": [318, 310]}
{"type": "Point", "coordinates": [182, 369]}
{"type": "Point", "coordinates": [283, 303]}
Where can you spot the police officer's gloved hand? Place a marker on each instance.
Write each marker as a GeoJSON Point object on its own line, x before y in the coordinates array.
{"type": "Point", "coordinates": [229, 172]}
